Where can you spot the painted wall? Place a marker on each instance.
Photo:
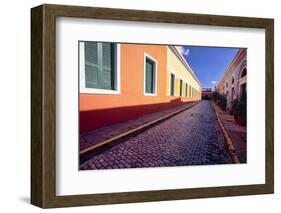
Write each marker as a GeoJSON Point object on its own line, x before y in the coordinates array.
{"type": "Point", "coordinates": [99, 110]}
{"type": "Point", "coordinates": [176, 66]}
{"type": "Point", "coordinates": [225, 85]}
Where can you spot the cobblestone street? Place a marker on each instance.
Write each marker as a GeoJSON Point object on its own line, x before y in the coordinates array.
{"type": "Point", "coordinates": [192, 137]}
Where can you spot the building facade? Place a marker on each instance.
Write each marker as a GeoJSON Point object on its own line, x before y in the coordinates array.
{"type": "Point", "coordinates": [206, 93]}
{"type": "Point", "coordinates": [234, 81]}
{"type": "Point", "coordinates": [119, 82]}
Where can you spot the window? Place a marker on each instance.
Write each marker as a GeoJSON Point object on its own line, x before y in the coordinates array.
{"type": "Point", "coordinates": [190, 91]}
{"type": "Point", "coordinates": [172, 85]}
{"type": "Point", "coordinates": [98, 67]}
{"type": "Point", "coordinates": [232, 81]}
{"type": "Point", "coordinates": [186, 89]}
{"type": "Point", "coordinates": [244, 72]}
{"type": "Point", "coordinates": [243, 91]}
{"type": "Point", "coordinates": [150, 76]}
{"type": "Point", "coordinates": [180, 87]}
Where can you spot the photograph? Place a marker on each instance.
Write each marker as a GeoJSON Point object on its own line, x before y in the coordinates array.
{"type": "Point", "coordinates": [155, 105]}
{"type": "Point", "coordinates": [141, 105]}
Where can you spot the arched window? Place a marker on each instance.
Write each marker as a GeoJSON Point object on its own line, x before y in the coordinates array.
{"type": "Point", "coordinates": [232, 81]}
{"type": "Point", "coordinates": [244, 72]}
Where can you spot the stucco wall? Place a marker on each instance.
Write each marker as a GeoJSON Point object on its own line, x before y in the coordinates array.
{"type": "Point", "coordinates": [225, 86]}
{"type": "Point", "coordinates": [98, 110]}
{"type": "Point", "coordinates": [174, 65]}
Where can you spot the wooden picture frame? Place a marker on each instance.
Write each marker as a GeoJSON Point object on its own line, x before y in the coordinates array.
{"type": "Point", "coordinates": [43, 105]}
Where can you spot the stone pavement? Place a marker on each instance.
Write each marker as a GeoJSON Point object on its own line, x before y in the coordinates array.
{"type": "Point", "coordinates": [192, 137]}
{"type": "Point", "coordinates": [99, 135]}
{"type": "Point", "coordinates": [237, 133]}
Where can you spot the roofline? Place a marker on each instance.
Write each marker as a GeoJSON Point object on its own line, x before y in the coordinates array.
{"type": "Point", "coordinates": [184, 62]}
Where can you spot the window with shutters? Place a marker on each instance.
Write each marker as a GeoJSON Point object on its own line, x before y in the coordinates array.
{"type": "Point", "coordinates": [172, 85]}
{"type": "Point", "coordinates": [150, 75]}
{"type": "Point", "coordinates": [180, 87]}
{"type": "Point", "coordinates": [98, 67]}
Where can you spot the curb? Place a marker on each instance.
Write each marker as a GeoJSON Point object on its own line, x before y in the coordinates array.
{"type": "Point", "coordinates": [228, 141]}
{"type": "Point", "coordinates": [88, 152]}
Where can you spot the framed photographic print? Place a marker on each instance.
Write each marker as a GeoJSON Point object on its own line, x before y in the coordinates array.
{"type": "Point", "coordinates": [137, 106]}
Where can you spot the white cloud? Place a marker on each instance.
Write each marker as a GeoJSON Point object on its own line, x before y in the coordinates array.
{"type": "Point", "coordinates": [213, 82]}
{"type": "Point", "coordinates": [184, 51]}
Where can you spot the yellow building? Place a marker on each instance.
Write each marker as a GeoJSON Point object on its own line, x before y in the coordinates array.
{"type": "Point", "coordinates": [181, 80]}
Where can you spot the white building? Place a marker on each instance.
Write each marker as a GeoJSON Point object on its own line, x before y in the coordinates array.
{"type": "Point", "coordinates": [234, 81]}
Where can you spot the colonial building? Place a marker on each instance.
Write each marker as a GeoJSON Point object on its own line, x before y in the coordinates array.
{"type": "Point", "coordinates": [206, 93]}
{"type": "Point", "coordinates": [233, 83]}
{"type": "Point", "coordinates": [119, 82]}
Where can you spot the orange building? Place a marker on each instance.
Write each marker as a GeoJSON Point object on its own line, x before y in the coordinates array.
{"type": "Point", "coordinates": [119, 82]}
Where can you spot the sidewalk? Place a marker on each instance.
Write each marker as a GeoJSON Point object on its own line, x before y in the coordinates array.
{"type": "Point", "coordinates": [236, 133]}
{"type": "Point", "coordinates": [98, 136]}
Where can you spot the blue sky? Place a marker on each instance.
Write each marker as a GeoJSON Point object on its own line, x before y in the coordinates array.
{"type": "Point", "coordinates": [208, 63]}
